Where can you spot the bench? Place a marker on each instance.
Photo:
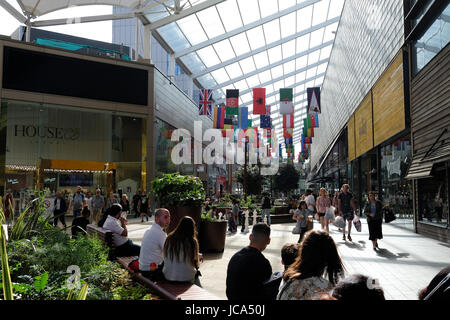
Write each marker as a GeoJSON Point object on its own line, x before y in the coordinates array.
{"type": "Point", "coordinates": [164, 289]}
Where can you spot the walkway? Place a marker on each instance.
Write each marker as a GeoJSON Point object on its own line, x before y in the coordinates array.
{"type": "Point", "coordinates": [406, 262]}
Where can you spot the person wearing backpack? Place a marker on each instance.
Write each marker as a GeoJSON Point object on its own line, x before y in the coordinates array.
{"type": "Point", "coordinates": [77, 203]}
{"type": "Point", "coordinates": [265, 206]}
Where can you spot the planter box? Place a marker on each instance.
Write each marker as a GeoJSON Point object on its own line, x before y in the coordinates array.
{"type": "Point", "coordinates": [212, 236]}
{"type": "Point", "coordinates": [177, 213]}
{"type": "Point", "coordinates": [282, 210]}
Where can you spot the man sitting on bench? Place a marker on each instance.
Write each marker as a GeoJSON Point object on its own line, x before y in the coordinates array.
{"type": "Point", "coordinates": [151, 257]}
{"type": "Point", "coordinates": [118, 226]}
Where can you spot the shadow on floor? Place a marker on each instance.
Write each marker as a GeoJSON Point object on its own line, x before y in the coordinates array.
{"type": "Point", "coordinates": [444, 244]}
{"type": "Point", "coordinates": [353, 245]}
{"type": "Point", "coordinates": [212, 256]}
{"type": "Point", "coordinates": [385, 253]}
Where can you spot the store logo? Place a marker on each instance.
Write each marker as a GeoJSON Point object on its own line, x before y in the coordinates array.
{"type": "Point", "coordinates": [31, 131]}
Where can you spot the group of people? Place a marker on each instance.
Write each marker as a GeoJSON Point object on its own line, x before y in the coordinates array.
{"type": "Point", "coordinates": [88, 208]}
{"type": "Point", "coordinates": [313, 270]}
{"type": "Point", "coordinates": [342, 205]}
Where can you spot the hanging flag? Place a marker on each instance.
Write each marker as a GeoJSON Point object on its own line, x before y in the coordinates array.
{"type": "Point", "coordinates": [308, 121]}
{"type": "Point", "coordinates": [219, 117]}
{"type": "Point", "coordinates": [280, 154]}
{"type": "Point", "coordinates": [312, 120]}
{"type": "Point", "coordinates": [243, 118]}
{"type": "Point", "coordinates": [287, 133]}
{"type": "Point", "coordinates": [286, 104]}
{"type": "Point", "coordinates": [316, 118]}
{"type": "Point", "coordinates": [265, 122]}
{"type": "Point", "coordinates": [288, 120]}
{"type": "Point", "coordinates": [313, 100]}
{"type": "Point", "coordinates": [232, 98]}
{"type": "Point", "coordinates": [249, 123]}
{"type": "Point", "coordinates": [205, 103]}
{"type": "Point", "coordinates": [259, 100]}
{"type": "Point", "coordinates": [232, 111]}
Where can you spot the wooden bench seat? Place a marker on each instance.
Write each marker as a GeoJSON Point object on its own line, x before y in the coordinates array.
{"type": "Point", "coordinates": [164, 289]}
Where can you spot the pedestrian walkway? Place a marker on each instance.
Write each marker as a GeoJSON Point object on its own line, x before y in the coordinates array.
{"type": "Point", "coordinates": [405, 263]}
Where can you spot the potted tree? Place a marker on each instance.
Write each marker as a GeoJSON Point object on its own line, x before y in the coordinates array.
{"type": "Point", "coordinates": [181, 195]}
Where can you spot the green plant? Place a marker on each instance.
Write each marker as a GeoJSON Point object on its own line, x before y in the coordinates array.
{"type": "Point", "coordinates": [6, 276]}
{"type": "Point", "coordinates": [174, 189]}
{"type": "Point", "coordinates": [207, 217]}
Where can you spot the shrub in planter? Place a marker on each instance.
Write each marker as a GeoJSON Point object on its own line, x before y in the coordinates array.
{"type": "Point", "coordinates": [182, 195]}
{"type": "Point", "coordinates": [212, 234]}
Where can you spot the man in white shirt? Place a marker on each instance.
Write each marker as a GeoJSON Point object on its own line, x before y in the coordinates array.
{"type": "Point", "coordinates": [151, 257]}
{"type": "Point", "coordinates": [310, 201]}
{"type": "Point", "coordinates": [118, 225]}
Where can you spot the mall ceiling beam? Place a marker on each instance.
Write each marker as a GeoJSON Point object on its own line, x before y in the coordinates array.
{"type": "Point", "coordinates": [293, 73]}
{"type": "Point", "coordinates": [184, 13]}
{"type": "Point", "coordinates": [105, 17]}
{"type": "Point", "coordinates": [12, 11]}
{"type": "Point", "coordinates": [246, 27]}
{"type": "Point", "coordinates": [270, 66]}
{"type": "Point", "coordinates": [268, 46]}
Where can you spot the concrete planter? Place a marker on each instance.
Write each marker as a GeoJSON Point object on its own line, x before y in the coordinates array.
{"type": "Point", "coordinates": [177, 213]}
{"type": "Point", "coordinates": [212, 236]}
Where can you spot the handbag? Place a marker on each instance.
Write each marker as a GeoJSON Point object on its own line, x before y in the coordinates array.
{"type": "Point", "coordinates": [329, 215]}
{"type": "Point", "coordinates": [339, 222]}
{"type": "Point", "coordinates": [389, 216]}
{"type": "Point", "coordinates": [296, 229]}
{"type": "Point", "coordinates": [357, 224]}
{"type": "Point", "coordinates": [310, 224]}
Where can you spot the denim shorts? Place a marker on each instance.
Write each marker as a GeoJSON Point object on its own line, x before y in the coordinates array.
{"type": "Point", "coordinates": [348, 215]}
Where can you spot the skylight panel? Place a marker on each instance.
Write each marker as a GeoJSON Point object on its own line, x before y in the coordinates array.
{"type": "Point", "coordinates": [335, 8]}
{"type": "Point", "coordinates": [289, 82]}
{"type": "Point", "coordinates": [288, 48]}
{"type": "Point", "coordinates": [304, 18]}
{"type": "Point", "coordinates": [265, 76]}
{"type": "Point", "coordinates": [240, 44]}
{"type": "Point", "coordinates": [268, 8]}
{"type": "Point", "coordinates": [322, 68]}
{"type": "Point", "coordinates": [224, 50]}
{"type": "Point", "coordinates": [271, 99]}
{"type": "Point", "coordinates": [208, 56]}
{"type": "Point", "coordinates": [275, 54]}
{"type": "Point", "coordinates": [253, 81]}
{"type": "Point", "coordinates": [329, 35]}
{"type": "Point", "coordinates": [319, 82]}
{"type": "Point", "coordinates": [249, 10]}
{"type": "Point", "coordinates": [311, 72]}
{"type": "Point", "coordinates": [279, 84]}
{"type": "Point", "coordinates": [284, 4]}
{"type": "Point", "coordinates": [229, 12]}
{"type": "Point", "coordinates": [247, 65]}
{"type": "Point", "coordinates": [193, 62]}
{"type": "Point", "coordinates": [256, 38]}
{"type": "Point", "coordinates": [234, 70]}
{"type": "Point", "coordinates": [287, 23]}
{"type": "Point", "coordinates": [320, 12]}
{"type": "Point", "coordinates": [261, 60]}
{"type": "Point", "coordinates": [313, 57]}
{"type": "Point", "coordinates": [302, 43]}
{"type": "Point", "coordinates": [316, 37]}
{"type": "Point", "coordinates": [210, 20]}
{"type": "Point", "coordinates": [220, 75]}
{"type": "Point", "coordinates": [300, 88]}
{"type": "Point", "coordinates": [325, 52]}
{"type": "Point", "coordinates": [301, 62]}
{"type": "Point", "coordinates": [289, 66]}
{"type": "Point", "coordinates": [272, 31]}
{"type": "Point", "coordinates": [174, 37]}
{"type": "Point", "coordinates": [192, 29]}
{"type": "Point", "coordinates": [247, 97]}
{"type": "Point", "coordinates": [241, 85]}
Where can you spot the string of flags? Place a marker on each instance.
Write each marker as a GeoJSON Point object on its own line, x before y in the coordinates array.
{"type": "Point", "coordinates": [224, 118]}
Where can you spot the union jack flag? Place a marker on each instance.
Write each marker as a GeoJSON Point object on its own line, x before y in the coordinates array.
{"type": "Point", "coordinates": [205, 103]}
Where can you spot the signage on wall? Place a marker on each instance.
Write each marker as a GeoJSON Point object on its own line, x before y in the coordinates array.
{"type": "Point", "coordinates": [31, 131]}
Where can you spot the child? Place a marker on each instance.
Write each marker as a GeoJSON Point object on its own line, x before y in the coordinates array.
{"type": "Point", "coordinates": [301, 216]}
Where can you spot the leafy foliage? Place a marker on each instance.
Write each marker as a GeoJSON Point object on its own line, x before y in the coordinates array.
{"type": "Point", "coordinates": [174, 189]}
{"type": "Point", "coordinates": [255, 181]}
{"type": "Point", "coordinates": [287, 179]}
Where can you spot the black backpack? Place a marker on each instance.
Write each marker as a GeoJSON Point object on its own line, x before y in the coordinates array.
{"type": "Point", "coordinates": [266, 203]}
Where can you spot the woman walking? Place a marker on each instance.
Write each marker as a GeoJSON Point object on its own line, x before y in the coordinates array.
{"type": "Point", "coordinates": [181, 253]}
{"type": "Point", "coordinates": [322, 204]}
{"type": "Point", "coordinates": [143, 206]}
{"type": "Point", "coordinates": [111, 200]}
{"type": "Point", "coordinates": [304, 279]}
{"type": "Point", "coordinates": [374, 213]}
{"type": "Point", "coordinates": [301, 216]}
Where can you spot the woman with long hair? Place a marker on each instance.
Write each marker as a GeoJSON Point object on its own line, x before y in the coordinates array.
{"type": "Point", "coordinates": [181, 253]}
{"type": "Point", "coordinates": [322, 204]}
{"type": "Point", "coordinates": [318, 256]}
{"type": "Point", "coordinates": [374, 212]}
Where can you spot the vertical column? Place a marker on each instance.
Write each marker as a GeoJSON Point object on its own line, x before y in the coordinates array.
{"type": "Point", "coordinates": [3, 126]}
{"type": "Point", "coordinates": [171, 71]}
{"type": "Point", "coordinates": [147, 43]}
{"type": "Point", "coordinates": [150, 146]}
{"type": "Point", "coordinates": [136, 53]}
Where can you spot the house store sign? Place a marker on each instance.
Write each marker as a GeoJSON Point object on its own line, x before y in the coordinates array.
{"type": "Point", "coordinates": [32, 131]}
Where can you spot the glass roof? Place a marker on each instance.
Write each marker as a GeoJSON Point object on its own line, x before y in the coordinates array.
{"type": "Point", "coordinates": [273, 44]}
{"type": "Point", "coordinates": [242, 44]}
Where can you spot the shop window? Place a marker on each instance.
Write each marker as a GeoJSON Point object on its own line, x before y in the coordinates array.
{"type": "Point", "coordinates": [433, 196]}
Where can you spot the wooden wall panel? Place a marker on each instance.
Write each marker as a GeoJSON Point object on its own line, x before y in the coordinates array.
{"type": "Point", "coordinates": [363, 126]}
{"type": "Point", "coordinates": [388, 102]}
{"type": "Point", "coordinates": [351, 138]}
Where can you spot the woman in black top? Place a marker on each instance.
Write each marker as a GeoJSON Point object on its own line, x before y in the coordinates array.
{"type": "Point", "coordinates": [374, 213]}
{"type": "Point", "coordinates": [143, 206]}
{"type": "Point", "coordinates": [125, 203]}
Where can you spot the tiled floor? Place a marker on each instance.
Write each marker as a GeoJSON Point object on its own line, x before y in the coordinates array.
{"type": "Point", "coordinates": [406, 262]}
